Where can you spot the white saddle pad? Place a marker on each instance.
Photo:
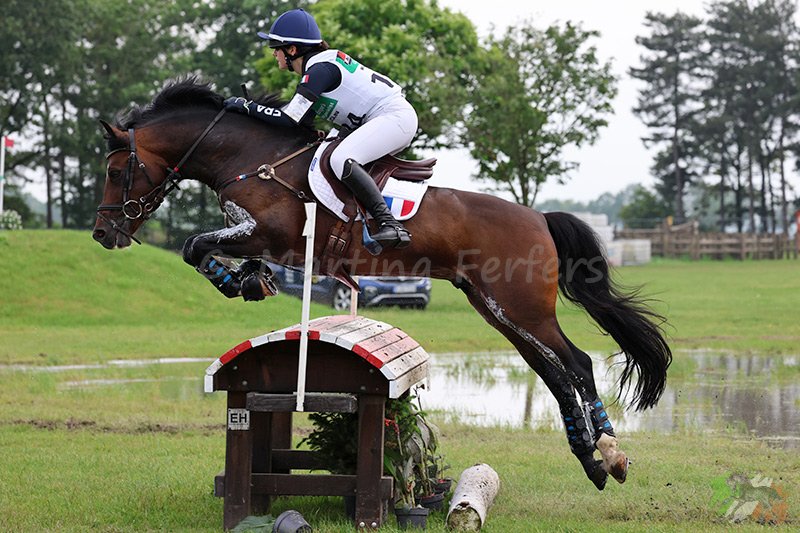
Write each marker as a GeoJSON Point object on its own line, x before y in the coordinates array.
{"type": "Point", "coordinates": [402, 197]}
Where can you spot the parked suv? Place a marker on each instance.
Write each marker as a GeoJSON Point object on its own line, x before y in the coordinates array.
{"type": "Point", "coordinates": [402, 291]}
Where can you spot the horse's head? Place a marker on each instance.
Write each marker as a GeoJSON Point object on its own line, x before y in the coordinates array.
{"type": "Point", "coordinates": [145, 163]}
{"type": "Point", "coordinates": [135, 184]}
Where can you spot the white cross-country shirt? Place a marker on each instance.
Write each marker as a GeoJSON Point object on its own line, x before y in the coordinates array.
{"type": "Point", "coordinates": [356, 99]}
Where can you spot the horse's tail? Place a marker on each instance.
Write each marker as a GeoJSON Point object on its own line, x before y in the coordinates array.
{"type": "Point", "coordinates": [583, 277]}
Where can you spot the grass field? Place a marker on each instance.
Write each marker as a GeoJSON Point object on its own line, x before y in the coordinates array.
{"type": "Point", "coordinates": [85, 479]}
{"type": "Point", "coordinates": [66, 299]}
{"type": "Point", "coordinates": [141, 457]}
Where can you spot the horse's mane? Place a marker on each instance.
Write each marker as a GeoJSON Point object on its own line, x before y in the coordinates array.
{"type": "Point", "coordinates": [180, 94]}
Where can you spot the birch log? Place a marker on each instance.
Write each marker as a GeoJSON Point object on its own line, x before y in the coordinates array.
{"type": "Point", "coordinates": [474, 494]}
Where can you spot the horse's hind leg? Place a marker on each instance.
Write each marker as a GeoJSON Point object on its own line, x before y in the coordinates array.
{"type": "Point", "coordinates": [587, 424]}
{"type": "Point", "coordinates": [577, 417]}
{"type": "Point", "coordinates": [615, 462]}
{"type": "Point", "coordinates": [547, 363]}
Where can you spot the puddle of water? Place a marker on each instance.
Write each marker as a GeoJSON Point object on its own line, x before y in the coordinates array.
{"type": "Point", "coordinates": [114, 363]}
{"type": "Point", "coordinates": [709, 392]}
{"type": "Point", "coordinates": [741, 394]}
{"type": "Point", "coordinates": [89, 383]}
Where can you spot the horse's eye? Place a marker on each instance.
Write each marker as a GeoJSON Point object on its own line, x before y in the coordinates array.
{"type": "Point", "coordinates": [114, 174]}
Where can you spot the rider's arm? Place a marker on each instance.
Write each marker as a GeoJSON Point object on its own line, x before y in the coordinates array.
{"type": "Point", "coordinates": [320, 78]}
{"type": "Point", "coordinates": [270, 115]}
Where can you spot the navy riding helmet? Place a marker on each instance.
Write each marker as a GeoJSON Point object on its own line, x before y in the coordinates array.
{"type": "Point", "coordinates": [295, 27]}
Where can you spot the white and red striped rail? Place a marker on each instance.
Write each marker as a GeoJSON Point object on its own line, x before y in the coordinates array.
{"type": "Point", "coordinates": [401, 360]}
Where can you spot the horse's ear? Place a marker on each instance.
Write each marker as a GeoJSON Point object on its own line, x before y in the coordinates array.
{"type": "Point", "coordinates": [110, 132]}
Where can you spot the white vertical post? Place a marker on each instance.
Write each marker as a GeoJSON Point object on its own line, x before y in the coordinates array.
{"type": "Point", "coordinates": [354, 300]}
{"type": "Point", "coordinates": [2, 170]}
{"type": "Point", "coordinates": [308, 233]}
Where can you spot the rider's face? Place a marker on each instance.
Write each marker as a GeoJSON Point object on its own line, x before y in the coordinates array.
{"type": "Point", "coordinates": [280, 55]}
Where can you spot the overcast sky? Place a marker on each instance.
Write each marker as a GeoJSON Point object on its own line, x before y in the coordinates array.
{"type": "Point", "coordinates": [618, 158]}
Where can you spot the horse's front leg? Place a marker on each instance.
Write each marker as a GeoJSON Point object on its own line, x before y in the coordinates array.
{"type": "Point", "coordinates": [212, 255]}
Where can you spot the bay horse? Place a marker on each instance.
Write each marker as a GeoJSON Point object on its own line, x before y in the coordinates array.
{"type": "Point", "coordinates": [509, 260]}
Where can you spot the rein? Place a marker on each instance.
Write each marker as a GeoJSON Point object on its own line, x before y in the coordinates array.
{"type": "Point", "coordinates": [134, 209]}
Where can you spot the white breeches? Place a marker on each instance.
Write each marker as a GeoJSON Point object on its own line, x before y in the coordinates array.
{"type": "Point", "coordinates": [388, 131]}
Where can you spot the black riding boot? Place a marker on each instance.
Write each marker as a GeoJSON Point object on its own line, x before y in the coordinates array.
{"type": "Point", "coordinates": [390, 231]}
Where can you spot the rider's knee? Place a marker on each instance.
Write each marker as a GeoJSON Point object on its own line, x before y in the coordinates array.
{"type": "Point", "coordinates": [339, 163]}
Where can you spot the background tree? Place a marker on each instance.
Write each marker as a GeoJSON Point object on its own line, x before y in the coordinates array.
{"type": "Point", "coordinates": [738, 82]}
{"type": "Point", "coordinates": [67, 71]}
{"type": "Point", "coordinates": [228, 46]}
{"type": "Point", "coordinates": [670, 99]}
{"type": "Point", "coordinates": [721, 100]}
{"type": "Point", "coordinates": [644, 209]}
{"type": "Point", "coordinates": [537, 93]}
{"type": "Point", "coordinates": [124, 64]}
{"type": "Point", "coordinates": [776, 39]}
{"type": "Point", "coordinates": [429, 51]}
{"type": "Point", "coordinates": [36, 51]}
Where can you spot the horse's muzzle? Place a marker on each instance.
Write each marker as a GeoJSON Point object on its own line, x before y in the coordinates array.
{"type": "Point", "coordinates": [111, 234]}
{"type": "Point", "coordinates": [110, 238]}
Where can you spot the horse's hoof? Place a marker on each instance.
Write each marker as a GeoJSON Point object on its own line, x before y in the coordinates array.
{"type": "Point", "coordinates": [599, 476]}
{"type": "Point", "coordinates": [253, 289]}
{"type": "Point", "coordinates": [615, 462]}
{"type": "Point", "coordinates": [619, 469]}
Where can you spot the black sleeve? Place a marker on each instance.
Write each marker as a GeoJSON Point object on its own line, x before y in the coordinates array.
{"type": "Point", "coordinates": [270, 115]}
{"type": "Point", "coordinates": [320, 78]}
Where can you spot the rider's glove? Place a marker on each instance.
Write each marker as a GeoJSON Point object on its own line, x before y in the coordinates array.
{"type": "Point", "coordinates": [238, 104]}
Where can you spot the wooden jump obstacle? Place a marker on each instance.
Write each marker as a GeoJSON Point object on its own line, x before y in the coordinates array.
{"type": "Point", "coordinates": [354, 364]}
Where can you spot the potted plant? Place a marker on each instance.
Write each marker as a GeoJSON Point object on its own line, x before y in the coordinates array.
{"type": "Point", "coordinates": [402, 460]}
{"type": "Point", "coordinates": [437, 466]}
{"type": "Point", "coordinates": [334, 440]}
{"type": "Point", "coordinates": [428, 463]}
{"type": "Point", "coordinates": [411, 455]}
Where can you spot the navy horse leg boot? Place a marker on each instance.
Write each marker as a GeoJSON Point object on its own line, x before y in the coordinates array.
{"type": "Point", "coordinates": [582, 443]}
{"type": "Point", "coordinates": [390, 232]}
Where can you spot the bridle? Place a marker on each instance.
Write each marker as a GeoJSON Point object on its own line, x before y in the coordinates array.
{"type": "Point", "coordinates": [143, 207]}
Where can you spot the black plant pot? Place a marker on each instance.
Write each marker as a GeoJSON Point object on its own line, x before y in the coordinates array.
{"type": "Point", "coordinates": [291, 522]}
{"type": "Point", "coordinates": [433, 501]}
{"type": "Point", "coordinates": [442, 485]}
{"type": "Point", "coordinates": [416, 517]}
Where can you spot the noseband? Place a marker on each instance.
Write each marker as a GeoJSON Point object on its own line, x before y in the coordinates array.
{"type": "Point", "coordinates": [143, 207]}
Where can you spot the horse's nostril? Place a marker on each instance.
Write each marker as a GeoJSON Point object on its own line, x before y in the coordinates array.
{"type": "Point", "coordinates": [99, 234]}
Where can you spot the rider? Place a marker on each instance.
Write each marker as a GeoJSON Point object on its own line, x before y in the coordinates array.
{"type": "Point", "coordinates": [335, 87]}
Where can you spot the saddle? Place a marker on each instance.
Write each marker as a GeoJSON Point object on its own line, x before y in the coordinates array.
{"type": "Point", "coordinates": [380, 170]}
